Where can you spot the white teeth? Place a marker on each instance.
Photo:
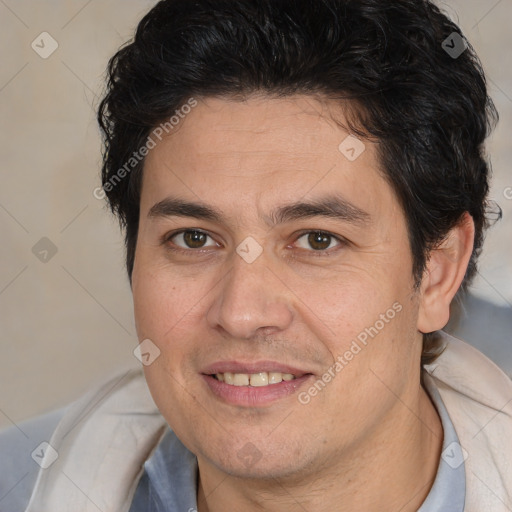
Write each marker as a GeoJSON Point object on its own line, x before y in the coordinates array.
{"type": "Point", "coordinates": [254, 379]}
{"type": "Point", "coordinates": [241, 379]}
{"type": "Point", "coordinates": [259, 379]}
{"type": "Point", "coordinates": [275, 377]}
{"type": "Point", "coordinates": [229, 378]}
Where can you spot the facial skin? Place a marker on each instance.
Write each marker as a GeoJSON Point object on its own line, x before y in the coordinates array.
{"type": "Point", "coordinates": [370, 439]}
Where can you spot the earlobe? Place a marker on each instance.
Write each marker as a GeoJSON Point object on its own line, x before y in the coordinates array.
{"type": "Point", "coordinates": [444, 274]}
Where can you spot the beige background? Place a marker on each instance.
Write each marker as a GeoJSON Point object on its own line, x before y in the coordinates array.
{"type": "Point", "coordinates": [67, 323]}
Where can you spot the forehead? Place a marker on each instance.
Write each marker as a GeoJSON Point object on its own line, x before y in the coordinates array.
{"type": "Point", "coordinates": [294, 129]}
{"type": "Point", "coordinates": [262, 150]}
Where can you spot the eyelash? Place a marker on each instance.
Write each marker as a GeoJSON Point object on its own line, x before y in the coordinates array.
{"type": "Point", "coordinates": [320, 253]}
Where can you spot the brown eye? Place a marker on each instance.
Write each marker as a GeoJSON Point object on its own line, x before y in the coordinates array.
{"type": "Point", "coordinates": [190, 239]}
{"type": "Point", "coordinates": [317, 240]}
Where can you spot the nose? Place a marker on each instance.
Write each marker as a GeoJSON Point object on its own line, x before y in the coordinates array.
{"type": "Point", "coordinates": [249, 299]}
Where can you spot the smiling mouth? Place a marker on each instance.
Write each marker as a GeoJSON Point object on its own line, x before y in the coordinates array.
{"type": "Point", "coordinates": [260, 379]}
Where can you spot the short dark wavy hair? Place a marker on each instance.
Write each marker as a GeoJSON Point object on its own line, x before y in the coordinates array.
{"type": "Point", "coordinates": [429, 110]}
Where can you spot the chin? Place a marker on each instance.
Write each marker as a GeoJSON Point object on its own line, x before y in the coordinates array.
{"type": "Point", "coordinates": [270, 463]}
{"type": "Point", "coordinates": [261, 471]}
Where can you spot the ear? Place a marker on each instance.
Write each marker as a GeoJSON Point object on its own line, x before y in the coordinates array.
{"type": "Point", "coordinates": [444, 274]}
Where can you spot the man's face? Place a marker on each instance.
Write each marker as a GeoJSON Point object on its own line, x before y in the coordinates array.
{"type": "Point", "coordinates": [266, 290]}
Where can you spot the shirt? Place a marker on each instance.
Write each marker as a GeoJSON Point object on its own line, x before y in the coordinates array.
{"type": "Point", "coordinates": [169, 481]}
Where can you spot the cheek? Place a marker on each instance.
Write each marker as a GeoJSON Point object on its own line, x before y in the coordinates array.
{"type": "Point", "coordinates": [370, 323]}
{"type": "Point", "coordinates": [150, 299]}
{"type": "Point", "coordinates": [349, 301]}
{"type": "Point", "coordinates": [163, 301]}
{"type": "Point", "coordinates": [163, 315]}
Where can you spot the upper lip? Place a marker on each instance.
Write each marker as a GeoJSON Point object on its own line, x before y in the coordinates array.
{"type": "Point", "coordinates": [252, 367]}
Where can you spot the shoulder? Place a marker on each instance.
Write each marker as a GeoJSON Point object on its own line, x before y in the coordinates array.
{"type": "Point", "coordinates": [464, 370]}
{"type": "Point", "coordinates": [102, 443]}
{"type": "Point", "coordinates": [23, 447]}
{"type": "Point", "coordinates": [19, 446]}
{"type": "Point", "coordinates": [478, 397]}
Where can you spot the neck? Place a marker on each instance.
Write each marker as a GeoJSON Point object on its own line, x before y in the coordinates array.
{"type": "Point", "coordinates": [392, 469]}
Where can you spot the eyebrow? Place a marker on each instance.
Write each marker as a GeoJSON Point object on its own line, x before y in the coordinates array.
{"type": "Point", "coordinates": [331, 206]}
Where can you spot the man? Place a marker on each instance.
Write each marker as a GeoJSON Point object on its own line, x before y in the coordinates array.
{"type": "Point", "coordinates": [303, 190]}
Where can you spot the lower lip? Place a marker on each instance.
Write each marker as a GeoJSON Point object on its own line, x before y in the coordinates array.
{"type": "Point", "coordinates": [250, 396]}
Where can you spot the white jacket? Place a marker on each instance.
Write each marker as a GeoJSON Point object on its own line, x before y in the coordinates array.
{"type": "Point", "coordinates": [105, 438]}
